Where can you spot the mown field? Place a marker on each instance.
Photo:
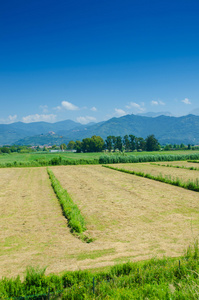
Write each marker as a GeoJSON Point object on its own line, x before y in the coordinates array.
{"type": "Point", "coordinates": [130, 218]}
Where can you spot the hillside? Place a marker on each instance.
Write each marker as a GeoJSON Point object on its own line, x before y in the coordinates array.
{"type": "Point", "coordinates": [166, 129]}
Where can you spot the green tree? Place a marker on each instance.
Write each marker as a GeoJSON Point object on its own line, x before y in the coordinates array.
{"type": "Point", "coordinates": [140, 144]}
{"type": "Point", "coordinates": [119, 143]}
{"type": "Point", "coordinates": [152, 143]}
{"type": "Point", "coordinates": [63, 146]}
{"type": "Point", "coordinates": [132, 142]}
{"type": "Point", "coordinates": [108, 142]}
{"type": "Point", "coordinates": [97, 143]}
{"type": "Point", "coordinates": [126, 142]}
{"type": "Point", "coordinates": [71, 145]}
{"type": "Point", "coordinates": [114, 142]}
{"type": "Point", "coordinates": [86, 145]}
{"type": "Point", "coordinates": [78, 146]}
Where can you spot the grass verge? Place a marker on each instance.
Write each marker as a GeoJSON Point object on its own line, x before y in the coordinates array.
{"type": "Point", "coordinates": [76, 221]}
{"type": "Point", "coordinates": [189, 185]}
{"type": "Point", "coordinates": [166, 278]}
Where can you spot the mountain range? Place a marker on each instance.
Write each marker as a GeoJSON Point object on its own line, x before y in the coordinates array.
{"type": "Point", "coordinates": [167, 129]}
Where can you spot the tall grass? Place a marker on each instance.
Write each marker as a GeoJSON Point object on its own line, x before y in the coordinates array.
{"type": "Point", "coordinates": [166, 278]}
{"type": "Point", "coordinates": [55, 161]}
{"type": "Point", "coordinates": [113, 159]}
{"type": "Point", "coordinates": [70, 210]}
{"type": "Point", "coordinates": [189, 185]}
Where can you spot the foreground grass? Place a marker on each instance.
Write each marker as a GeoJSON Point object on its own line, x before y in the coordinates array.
{"type": "Point", "coordinates": [166, 278]}
{"type": "Point", "coordinates": [70, 210]}
{"type": "Point", "coordinates": [189, 185]}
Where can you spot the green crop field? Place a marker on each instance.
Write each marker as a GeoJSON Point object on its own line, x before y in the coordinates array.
{"type": "Point", "coordinates": [43, 158]}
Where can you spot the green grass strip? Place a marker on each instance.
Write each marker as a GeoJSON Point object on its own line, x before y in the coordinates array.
{"type": "Point", "coordinates": [177, 167]}
{"type": "Point", "coordinates": [190, 185]}
{"type": "Point", "coordinates": [76, 221]}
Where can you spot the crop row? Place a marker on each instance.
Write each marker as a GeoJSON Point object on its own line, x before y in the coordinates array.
{"type": "Point", "coordinates": [112, 159]}
{"type": "Point", "coordinates": [70, 210]}
{"type": "Point", "coordinates": [190, 185]}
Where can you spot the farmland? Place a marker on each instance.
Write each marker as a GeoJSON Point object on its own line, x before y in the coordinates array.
{"type": "Point", "coordinates": [39, 158]}
{"type": "Point", "coordinates": [129, 218]}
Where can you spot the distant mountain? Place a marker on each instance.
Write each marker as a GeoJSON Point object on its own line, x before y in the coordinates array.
{"type": "Point", "coordinates": [10, 133]}
{"type": "Point", "coordinates": [43, 139]}
{"type": "Point", "coordinates": [155, 114]}
{"type": "Point", "coordinates": [166, 129]}
{"type": "Point", "coordinates": [195, 112]}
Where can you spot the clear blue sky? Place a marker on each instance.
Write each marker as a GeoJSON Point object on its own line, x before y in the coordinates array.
{"type": "Point", "coordinates": [90, 60]}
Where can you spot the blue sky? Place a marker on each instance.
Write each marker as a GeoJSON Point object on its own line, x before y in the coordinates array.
{"type": "Point", "coordinates": [91, 60]}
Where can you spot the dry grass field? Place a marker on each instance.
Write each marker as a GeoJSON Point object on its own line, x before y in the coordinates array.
{"type": "Point", "coordinates": [155, 169]}
{"type": "Point", "coordinates": [131, 218]}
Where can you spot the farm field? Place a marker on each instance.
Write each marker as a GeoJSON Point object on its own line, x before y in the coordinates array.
{"type": "Point", "coordinates": [155, 169]}
{"type": "Point", "coordinates": [43, 156]}
{"type": "Point", "coordinates": [131, 218]}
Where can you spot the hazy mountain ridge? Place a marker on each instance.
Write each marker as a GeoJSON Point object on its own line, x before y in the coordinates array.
{"type": "Point", "coordinates": [167, 129]}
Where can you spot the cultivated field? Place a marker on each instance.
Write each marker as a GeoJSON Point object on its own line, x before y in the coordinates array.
{"type": "Point", "coordinates": [131, 218]}
{"type": "Point", "coordinates": [156, 169]}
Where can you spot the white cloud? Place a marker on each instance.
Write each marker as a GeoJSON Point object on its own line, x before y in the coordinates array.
{"type": "Point", "coordinates": [44, 108]}
{"type": "Point", "coordinates": [136, 106]}
{"type": "Point", "coordinates": [68, 106]}
{"type": "Point", "coordinates": [120, 112]}
{"type": "Point", "coordinates": [12, 119]}
{"type": "Point", "coordinates": [159, 102]}
{"type": "Point", "coordinates": [154, 102]}
{"type": "Point", "coordinates": [39, 118]}
{"type": "Point", "coordinates": [9, 120]}
{"type": "Point", "coordinates": [186, 101]}
{"type": "Point", "coordinates": [85, 120]}
{"type": "Point", "coordinates": [94, 108]}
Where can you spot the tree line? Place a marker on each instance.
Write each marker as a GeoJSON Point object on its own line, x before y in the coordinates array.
{"type": "Point", "coordinates": [114, 143]}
